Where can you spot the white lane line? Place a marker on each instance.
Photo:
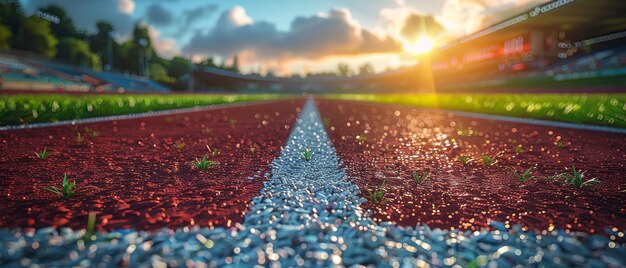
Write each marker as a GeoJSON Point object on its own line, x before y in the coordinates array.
{"type": "Point", "coordinates": [137, 115]}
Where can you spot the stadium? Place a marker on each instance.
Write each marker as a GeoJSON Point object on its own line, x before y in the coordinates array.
{"type": "Point", "coordinates": [406, 133]}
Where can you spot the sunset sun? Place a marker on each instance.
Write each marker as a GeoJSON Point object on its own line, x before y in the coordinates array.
{"type": "Point", "coordinates": [420, 46]}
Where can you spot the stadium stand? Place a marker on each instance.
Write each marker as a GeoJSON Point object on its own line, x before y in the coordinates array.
{"type": "Point", "coordinates": [562, 43]}
{"type": "Point", "coordinates": [28, 72]}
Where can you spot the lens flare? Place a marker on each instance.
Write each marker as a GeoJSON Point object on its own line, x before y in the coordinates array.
{"type": "Point", "coordinates": [420, 46]}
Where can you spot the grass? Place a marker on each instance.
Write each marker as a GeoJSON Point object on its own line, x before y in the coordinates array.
{"type": "Point", "coordinates": [307, 155]}
{"type": "Point", "coordinates": [79, 138]}
{"type": "Point", "coordinates": [66, 190]}
{"type": "Point", "coordinates": [91, 225]}
{"type": "Point", "coordinates": [576, 179]}
{"type": "Point", "coordinates": [378, 195]}
{"type": "Point", "coordinates": [420, 176]}
{"type": "Point", "coordinates": [488, 160]}
{"type": "Point", "coordinates": [520, 149]}
{"type": "Point", "coordinates": [91, 132]}
{"type": "Point", "coordinates": [560, 144]}
{"type": "Point", "coordinates": [43, 154]}
{"type": "Point", "coordinates": [203, 163]}
{"type": "Point", "coordinates": [523, 176]}
{"type": "Point", "coordinates": [597, 109]}
{"type": "Point", "coordinates": [464, 159]}
{"type": "Point", "coordinates": [213, 152]}
{"type": "Point", "coordinates": [35, 108]}
{"type": "Point", "coordinates": [179, 144]}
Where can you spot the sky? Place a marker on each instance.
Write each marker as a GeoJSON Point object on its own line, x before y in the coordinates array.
{"type": "Point", "coordinates": [293, 36]}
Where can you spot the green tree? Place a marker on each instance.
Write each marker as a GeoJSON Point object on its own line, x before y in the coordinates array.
{"type": "Point", "coordinates": [343, 69]}
{"type": "Point", "coordinates": [103, 44]}
{"type": "Point", "coordinates": [77, 52]}
{"type": "Point", "coordinates": [11, 15]}
{"type": "Point", "coordinates": [235, 66]}
{"type": "Point", "coordinates": [366, 68]}
{"type": "Point", "coordinates": [208, 62]}
{"type": "Point", "coordinates": [65, 27]}
{"type": "Point", "coordinates": [159, 73]}
{"type": "Point", "coordinates": [5, 37]}
{"type": "Point", "coordinates": [178, 67]}
{"type": "Point", "coordinates": [35, 35]}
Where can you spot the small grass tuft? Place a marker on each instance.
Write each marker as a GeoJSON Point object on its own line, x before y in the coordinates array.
{"type": "Point", "coordinates": [378, 195]}
{"type": "Point", "coordinates": [420, 176]}
{"type": "Point", "coordinates": [576, 179]}
{"type": "Point", "coordinates": [464, 159]}
{"type": "Point", "coordinates": [204, 163]}
{"type": "Point", "coordinates": [66, 190]}
{"type": "Point", "coordinates": [179, 144]}
{"type": "Point", "coordinates": [524, 176]}
{"type": "Point", "coordinates": [44, 154]}
{"type": "Point", "coordinates": [307, 155]}
{"type": "Point", "coordinates": [213, 151]}
{"type": "Point", "coordinates": [489, 160]}
{"type": "Point", "coordinates": [91, 132]}
{"type": "Point", "coordinates": [520, 149]}
{"type": "Point", "coordinates": [560, 144]}
{"type": "Point", "coordinates": [79, 138]}
{"type": "Point", "coordinates": [91, 225]}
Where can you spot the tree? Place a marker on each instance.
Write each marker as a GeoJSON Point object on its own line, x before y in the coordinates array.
{"type": "Point", "coordinates": [11, 15]}
{"type": "Point", "coordinates": [159, 73]}
{"type": "Point", "coordinates": [235, 66]}
{"type": "Point", "coordinates": [178, 67]}
{"type": "Point", "coordinates": [366, 68]}
{"type": "Point", "coordinates": [5, 37]}
{"type": "Point", "coordinates": [208, 62]}
{"type": "Point", "coordinates": [77, 52]}
{"type": "Point", "coordinates": [65, 27]}
{"type": "Point", "coordinates": [35, 35]}
{"type": "Point", "coordinates": [343, 69]}
{"type": "Point", "coordinates": [103, 44]}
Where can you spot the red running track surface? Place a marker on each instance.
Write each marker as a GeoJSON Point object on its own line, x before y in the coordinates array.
{"type": "Point", "coordinates": [137, 174]}
{"type": "Point", "coordinates": [396, 140]}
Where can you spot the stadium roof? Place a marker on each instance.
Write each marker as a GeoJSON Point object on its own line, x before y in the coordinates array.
{"type": "Point", "coordinates": [588, 17]}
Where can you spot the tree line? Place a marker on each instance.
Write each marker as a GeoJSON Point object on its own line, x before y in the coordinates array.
{"type": "Point", "coordinates": [52, 33]}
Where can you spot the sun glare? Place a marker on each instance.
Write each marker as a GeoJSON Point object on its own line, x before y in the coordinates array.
{"type": "Point", "coordinates": [420, 46]}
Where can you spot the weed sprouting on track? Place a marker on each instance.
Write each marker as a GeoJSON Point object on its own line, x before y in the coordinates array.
{"type": "Point", "coordinates": [377, 196]}
{"type": "Point", "coordinates": [420, 176]}
{"type": "Point", "coordinates": [43, 154]}
{"type": "Point", "coordinates": [203, 163]}
{"type": "Point", "coordinates": [523, 176]}
{"type": "Point", "coordinates": [66, 190]}
{"type": "Point", "coordinates": [576, 178]}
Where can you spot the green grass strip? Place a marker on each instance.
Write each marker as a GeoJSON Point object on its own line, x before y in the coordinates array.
{"type": "Point", "coordinates": [36, 108]}
{"type": "Point", "coordinates": [596, 109]}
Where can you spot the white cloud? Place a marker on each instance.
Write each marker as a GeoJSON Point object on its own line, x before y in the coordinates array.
{"type": "Point", "coordinates": [334, 33]}
{"type": "Point", "coordinates": [462, 17]}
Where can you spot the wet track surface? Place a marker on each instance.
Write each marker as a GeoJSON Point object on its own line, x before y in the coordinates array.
{"type": "Point", "coordinates": [388, 142]}
{"type": "Point", "coordinates": [137, 173]}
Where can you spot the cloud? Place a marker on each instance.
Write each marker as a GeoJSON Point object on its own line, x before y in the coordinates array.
{"type": "Point", "coordinates": [313, 37]}
{"type": "Point", "coordinates": [85, 14]}
{"type": "Point", "coordinates": [193, 15]}
{"type": "Point", "coordinates": [464, 17]}
{"type": "Point", "coordinates": [158, 15]}
{"type": "Point", "coordinates": [416, 25]}
{"type": "Point", "coordinates": [165, 47]}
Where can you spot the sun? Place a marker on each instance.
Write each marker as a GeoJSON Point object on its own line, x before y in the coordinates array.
{"type": "Point", "coordinates": [420, 46]}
